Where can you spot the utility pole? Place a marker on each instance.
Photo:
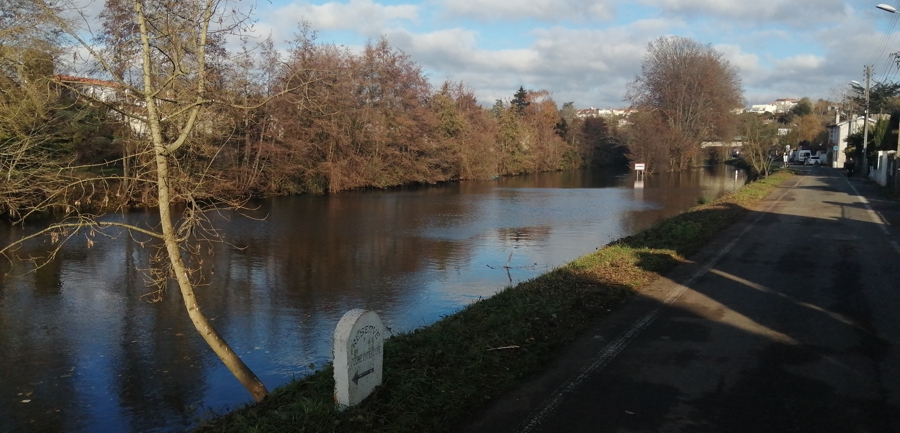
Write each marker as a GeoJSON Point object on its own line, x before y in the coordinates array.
{"type": "Point", "coordinates": [865, 146]}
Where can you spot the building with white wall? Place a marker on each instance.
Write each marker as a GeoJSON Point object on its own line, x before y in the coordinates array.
{"type": "Point", "coordinates": [762, 108]}
{"type": "Point", "coordinates": [838, 133]}
{"type": "Point", "coordinates": [779, 106]}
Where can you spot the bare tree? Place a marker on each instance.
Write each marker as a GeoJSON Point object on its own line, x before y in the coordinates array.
{"type": "Point", "coordinates": [692, 90]}
{"type": "Point", "coordinates": [33, 164]}
{"type": "Point", "coordinates": [760, 144]}
{"type": "Point", "coordinates": [647, 141]}
{"type": "Point", "coordinates": [173, 52]}
{"type": "Point", "coordinates": [37, 122]}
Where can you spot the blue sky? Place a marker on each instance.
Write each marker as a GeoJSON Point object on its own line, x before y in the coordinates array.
{"type": "Point", "coordinates": [587, 51]}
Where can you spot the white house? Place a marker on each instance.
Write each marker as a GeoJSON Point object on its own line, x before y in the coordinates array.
{"type": "Point", "coordinates": [779, 106]}
{"type": "Point", "coordinates": [763, 108]}
{"type": "Point", "coordinates": [100, 90]}
{"type": "Point", "coordinates": [108, 92]}
{"type": "Point", "coordinates": [838, 133]}
{"type": "Point", "coordinates": [784, 105]}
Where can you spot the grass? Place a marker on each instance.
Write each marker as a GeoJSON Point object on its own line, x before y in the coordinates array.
{"type": "Point", "coordinates": [436, 376]}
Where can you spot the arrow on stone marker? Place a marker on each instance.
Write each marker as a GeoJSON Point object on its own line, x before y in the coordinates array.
{"type": "Point", "coordinates": [357, 376]}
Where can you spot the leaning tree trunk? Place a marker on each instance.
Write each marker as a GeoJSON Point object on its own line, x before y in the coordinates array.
{"type": "Point", "coordinates": [162, 151]}
{"type": "Point", "coordinates": [201, 323]}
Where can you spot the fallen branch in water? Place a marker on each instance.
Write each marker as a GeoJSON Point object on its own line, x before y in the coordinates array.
{"type": "Point", "coordinates": [508, 267]}
{"type": "Point", "coordinates": [502, 348]}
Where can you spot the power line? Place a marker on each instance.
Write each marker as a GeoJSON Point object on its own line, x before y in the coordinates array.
{"type": "Point", "coordinates": [887, 60]}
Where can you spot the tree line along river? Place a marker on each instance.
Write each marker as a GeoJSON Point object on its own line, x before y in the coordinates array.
{"type": "Point", "coordinates": [86, 345]}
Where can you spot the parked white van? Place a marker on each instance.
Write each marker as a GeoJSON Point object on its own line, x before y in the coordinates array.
{"type": "Point", "coordinates": [800, 156]}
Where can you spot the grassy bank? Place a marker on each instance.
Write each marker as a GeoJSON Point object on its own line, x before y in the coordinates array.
{"type": "Point", "coordinates": [437, 375]}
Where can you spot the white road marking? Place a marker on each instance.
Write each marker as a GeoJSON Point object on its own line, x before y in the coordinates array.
{"type": "Point", "coordinates": [876, 218]}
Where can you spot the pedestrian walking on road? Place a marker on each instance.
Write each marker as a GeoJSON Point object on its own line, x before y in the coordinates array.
{"type": "Point", "coordinates": [849, 165]}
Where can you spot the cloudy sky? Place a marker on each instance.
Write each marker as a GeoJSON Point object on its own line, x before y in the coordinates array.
{"type": "Point", "coordinates": [586, 51]}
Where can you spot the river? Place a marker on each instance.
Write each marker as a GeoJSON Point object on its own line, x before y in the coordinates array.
{"type": "Point", "coordinates": [86, 346]}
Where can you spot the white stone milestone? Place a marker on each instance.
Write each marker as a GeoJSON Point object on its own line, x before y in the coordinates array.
{"type": "Point", "coordinates": [358, 356]}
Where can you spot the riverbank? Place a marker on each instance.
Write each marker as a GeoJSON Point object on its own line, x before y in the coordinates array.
{"type": "Point", "coordinates": [435, 376]}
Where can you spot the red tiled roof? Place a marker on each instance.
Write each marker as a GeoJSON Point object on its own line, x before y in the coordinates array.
{"type": "Point", "coordinates": [84, 80]}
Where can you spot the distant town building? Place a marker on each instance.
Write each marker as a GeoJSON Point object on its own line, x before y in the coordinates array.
{"type": "Point", "coordinates": [785, 105]}
{"type": "Point", "coordinates": [600, 112]}
{"type": "Point", "coordinates": [762, 108]}
{"type": "Point", "coordinates": [779, 106]}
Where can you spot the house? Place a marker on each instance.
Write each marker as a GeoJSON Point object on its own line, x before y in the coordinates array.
{"type": "Point", "coordinates": [779, 106]}
{"type": "Point", "coordinates": [100, 90]}
{"type": "Point", "coordinates": [784, 105]}
{"type": "Point", "coordinates": [838, 133]}
{"type": "Point", "coordinates": [587, 112]}
{"type": "Point", "coordinates": [600, 112]}
{"type": "Point", "coordinates": [106, 92]}
{"type": "Point", "coordinates": [763, 108]}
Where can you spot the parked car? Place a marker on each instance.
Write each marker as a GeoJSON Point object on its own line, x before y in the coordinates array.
{"type": "Point", "coordinates": [812, 160]}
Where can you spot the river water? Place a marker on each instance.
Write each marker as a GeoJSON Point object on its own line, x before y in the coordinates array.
{"type": "Point", "coordinates": [86, 346]}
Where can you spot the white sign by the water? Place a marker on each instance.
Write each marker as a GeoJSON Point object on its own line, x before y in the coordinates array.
{"type": "Point", "coordinates": [639, 166]}
{"type": "Point", "coordinates": [358, 356]}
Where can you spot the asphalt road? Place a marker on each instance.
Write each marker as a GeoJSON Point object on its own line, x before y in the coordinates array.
{"type": "Point", "coordinates": [790, 322]}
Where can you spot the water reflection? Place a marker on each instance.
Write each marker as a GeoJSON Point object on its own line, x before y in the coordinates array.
{"type": "Point", "coordinates": [81, 349]}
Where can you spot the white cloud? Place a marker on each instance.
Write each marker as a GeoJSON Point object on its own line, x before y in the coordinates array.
{"type": "Point", "coordinates": [590, 67]}
{"type": "Point", "coordinates": [543, 10]}
{"type": "Point", "coordinates": [442, 49]}
{"type": "Point", "coordinates": [800, 64]}
{"type": "Point", "coordinates": [800, 13]}
{"type": "Point", "coordinates": [89, 9]}
{"type": "Point", "coordinates": [362, 16]}
{"type": "Point", "coordinates": [744, 62]}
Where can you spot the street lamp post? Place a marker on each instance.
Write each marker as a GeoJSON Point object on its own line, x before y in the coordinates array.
{"type": "Point", "coordinates": [865, 144]}
{"type": "Point", "coordinates": [893, 10]}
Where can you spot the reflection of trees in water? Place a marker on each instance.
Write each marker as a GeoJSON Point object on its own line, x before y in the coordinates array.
{"type": "Point", "coordinates": [159, 362]}
{"type": "Point", "coordinates": [47, 279]}
{"type": "Point", "coordinates": [78, 323]}
{"type": "Point", "coordinates": [36, 373]}
{"type": "Point", "coordinates": [351, 245]}
{"type": "Point", "coordinates": [522, 236]}
{"type": "Point", "coordinates": [312, 258]}
{"type": "Point", "coordinates": [674, 193]}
